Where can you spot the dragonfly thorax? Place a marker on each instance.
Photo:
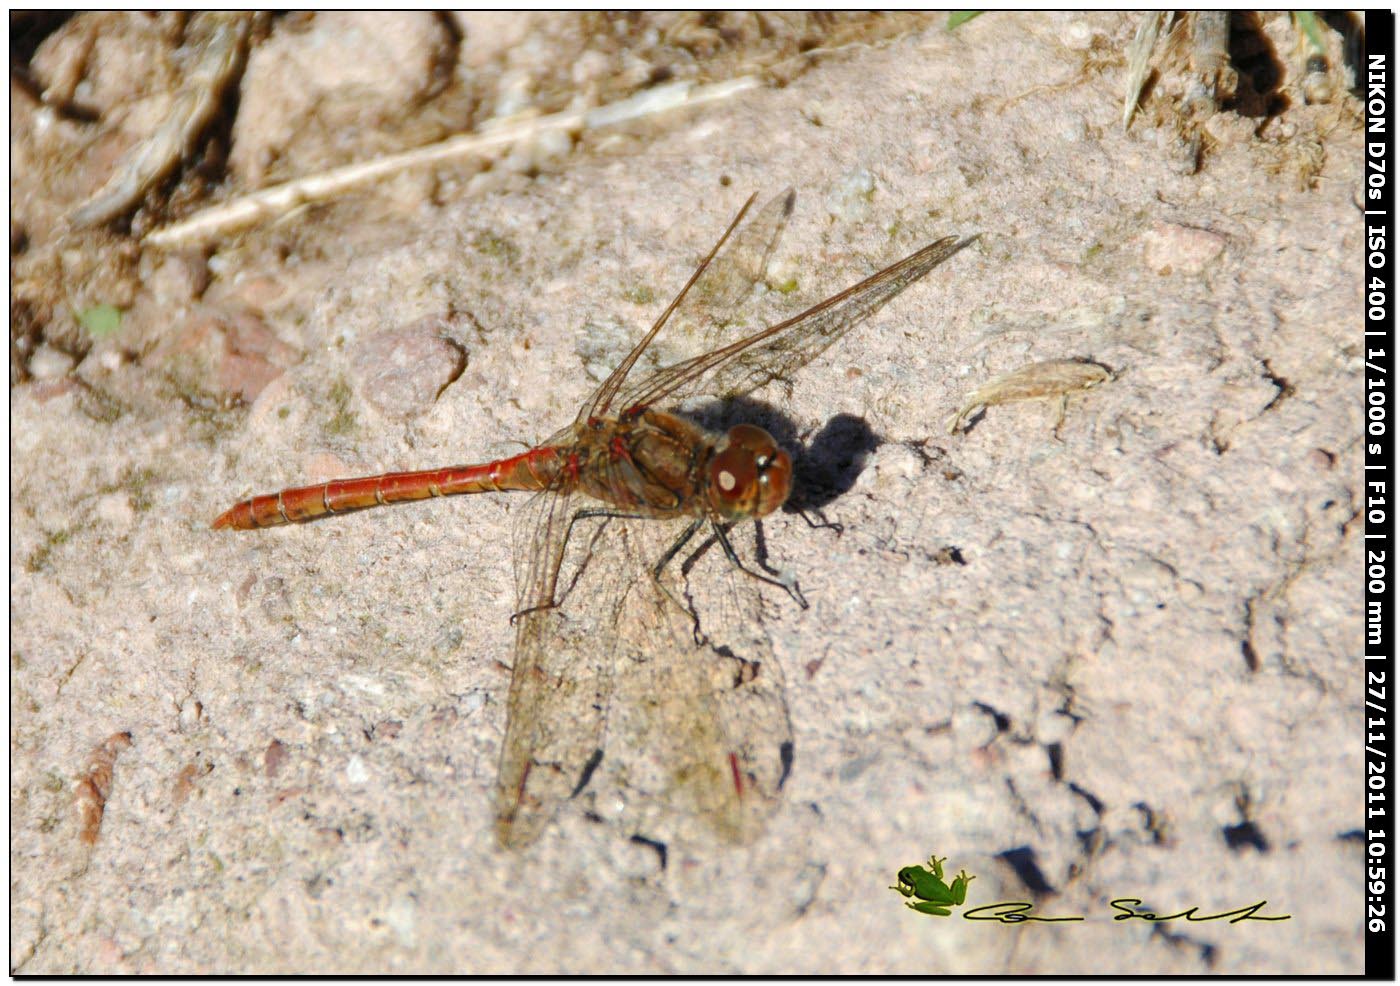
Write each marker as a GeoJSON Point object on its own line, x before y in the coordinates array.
{"type": "Point", "coordinates": [749, 475]}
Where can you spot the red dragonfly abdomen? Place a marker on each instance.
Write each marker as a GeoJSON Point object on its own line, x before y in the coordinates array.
{"type": "Point", "coordinates": [532, 470]}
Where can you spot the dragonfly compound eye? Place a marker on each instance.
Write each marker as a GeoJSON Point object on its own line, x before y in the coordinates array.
{"type": "Point", "coordinates": [749, 476]}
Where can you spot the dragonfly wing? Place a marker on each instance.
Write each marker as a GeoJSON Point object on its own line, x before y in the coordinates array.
{"type": "Point", "coordinates": [560, 680]}
{"type": "Point", "coordinates": [729, 279]}
{"type": "Point", "coordinates": [702, 312]}
{"type": "Point", "coordinates": [777, 352]}
{"type": "Point", "coordinates": [617, 689]}
{"type": "Point", "coordinates": [699, 707]}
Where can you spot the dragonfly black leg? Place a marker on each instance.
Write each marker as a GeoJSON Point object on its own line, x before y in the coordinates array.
{"type": "Point", "coordinates": [568, 533]}
{"type": "Point", "coordinates": [675, 548]}
{"type": "Point", "coordinates": [788, 585]}
{"type": "Point", "coordinates": [821, 523]}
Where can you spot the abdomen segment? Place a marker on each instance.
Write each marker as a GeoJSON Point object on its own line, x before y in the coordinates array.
{"type": "Point", "coordinates": [533, 470]}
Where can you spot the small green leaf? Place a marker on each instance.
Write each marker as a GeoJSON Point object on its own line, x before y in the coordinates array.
{"type": "Point", "coordinates": [957, 18]}
{"type": "Point", "coordinates": [101, 320]}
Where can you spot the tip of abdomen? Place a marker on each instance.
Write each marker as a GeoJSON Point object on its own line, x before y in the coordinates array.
{"type": "Point", "coordinates": [236, 517]}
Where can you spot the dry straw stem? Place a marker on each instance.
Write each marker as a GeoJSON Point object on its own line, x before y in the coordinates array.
{"type": "Point", "coordinates": [281, 199]}
{"type": "Point", "coordinates": [1139, 54]}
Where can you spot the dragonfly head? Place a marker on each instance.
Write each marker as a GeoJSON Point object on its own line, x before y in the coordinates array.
{"type": "Point", "coordinates": [749, 475]}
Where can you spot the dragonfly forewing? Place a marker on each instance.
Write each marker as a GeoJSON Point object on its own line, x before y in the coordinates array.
{"type": "Point", "coordinates": [708, 315]}
{"type": "Point", "coordinates": [703, 315]}
{"type": "Point", "coordinates": [779, 351]}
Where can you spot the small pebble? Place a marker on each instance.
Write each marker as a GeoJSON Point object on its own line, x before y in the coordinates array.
{"type": "Point", "coordinates": [1181, 249]}
{"type": "Point", "coordinates": [180, 278]}
{"type": "Point", "coordinates": [191, 712]}
{"type": "Point", "coordinates": [401, 371]}
{"type": "Point", "coordinates": [1321, 459]}
{"type": "Point", "coordinates": [1077, 36]}
{"type": "Point", "coordinates": [849, 201]}
{"type": "Point", "coordinates": [48, 363]}
{"type": "Point", "coordinates": [274, 757]}
{"type": "Point", "coordinates": [973, 727]}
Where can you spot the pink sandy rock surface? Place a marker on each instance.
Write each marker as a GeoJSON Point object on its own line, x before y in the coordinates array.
{"type": "Point", "coordinates": [1141, 683]}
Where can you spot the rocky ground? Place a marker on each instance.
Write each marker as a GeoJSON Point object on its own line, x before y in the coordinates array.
{"type": "Point", "coordinates": [1109, 657]}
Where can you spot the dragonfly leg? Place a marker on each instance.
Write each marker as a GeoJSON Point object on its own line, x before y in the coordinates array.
{"type": "Point", "coordinates": [568, 533]}
{"type": "Point", "coordinates": [660, 566]}
{"type": "Point", "coordinates": [821, 523]}
{"type": "Point", "coordinates": [675, 548]}
{"type": "Point", "coordinates": [788, 585]}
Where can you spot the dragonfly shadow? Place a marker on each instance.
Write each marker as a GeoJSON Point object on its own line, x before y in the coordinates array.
{"type": "Point", "coordinates": [831, 462]}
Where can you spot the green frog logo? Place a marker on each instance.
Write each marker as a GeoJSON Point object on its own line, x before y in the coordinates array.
{"type": "Point", "coordinates": [931, 894]}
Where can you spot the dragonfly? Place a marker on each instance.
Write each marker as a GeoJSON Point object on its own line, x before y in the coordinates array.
{"type": "Point", "coordinates": [601, 611]}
